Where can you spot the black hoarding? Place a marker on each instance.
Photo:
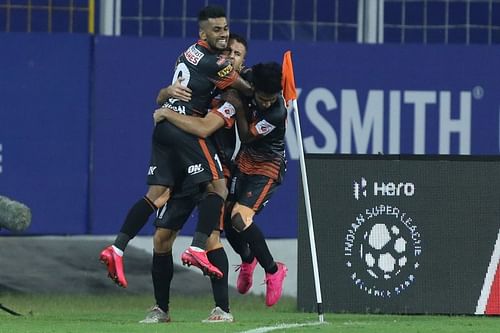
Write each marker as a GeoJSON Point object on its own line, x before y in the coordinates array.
{"type": "Point", "coordinates": [402, 234]}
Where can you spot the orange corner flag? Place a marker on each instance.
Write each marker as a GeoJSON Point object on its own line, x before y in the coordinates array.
{"type": "Point", "coordinates": [287, 79]}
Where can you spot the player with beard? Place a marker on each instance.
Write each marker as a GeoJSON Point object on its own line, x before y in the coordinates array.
{"type": "Point", "coordinates": [218, 123]}
{"type": "Point", "coordinates": [179, 157]}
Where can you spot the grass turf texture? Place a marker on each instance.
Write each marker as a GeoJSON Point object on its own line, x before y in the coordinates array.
{"type": "Point", "coordinates": [112, 313]}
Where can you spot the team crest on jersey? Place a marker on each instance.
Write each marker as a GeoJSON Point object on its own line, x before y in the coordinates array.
{"type": "Point", "coordinates": [225, 71]}
{"type": "Point", "coordinates": [227, 110]}
{"type": "Point", "coordinates": [193, 55]}
{"type": "Point", "coordinates": [263, 127]}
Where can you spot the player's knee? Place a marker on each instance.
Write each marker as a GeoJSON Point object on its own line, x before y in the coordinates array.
{"type": "Point", "coordinates": [163, 198]}
{"type": "Point", "coordinates": [163, 239]}
{"type": "Point", "coordinates": [213, 242]}
{"type": "Point", "coordinates": [241, 217]}
{"type": "Point", "coordinates": [219, 187]}
{"type": "Point", "coordinates": [241, 221]}
{"type": "Point", "coordinates": [238, 223]}
{"type": "Point", "coordinates": [159, 195]}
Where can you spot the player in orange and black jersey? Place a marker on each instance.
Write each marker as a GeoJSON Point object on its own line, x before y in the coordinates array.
{"type": "Point", "coordinates": [177, 152]}
{"type": "Point", "coordinates": [170, 221]}
{"type": "Point", "coordinates": [261, 165]}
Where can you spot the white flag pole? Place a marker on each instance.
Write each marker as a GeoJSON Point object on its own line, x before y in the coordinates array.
{"type": "Point", "coordinates": [305, 185]}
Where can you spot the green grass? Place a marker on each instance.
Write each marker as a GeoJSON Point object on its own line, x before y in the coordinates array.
{"type": "Point", "coordinates": [121, 313]}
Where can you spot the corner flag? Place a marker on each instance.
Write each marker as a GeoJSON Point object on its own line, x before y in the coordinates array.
{"type": "Point", "coordinates": [288, 79]}
{"type": "Point", "coordinates": [290, 94]}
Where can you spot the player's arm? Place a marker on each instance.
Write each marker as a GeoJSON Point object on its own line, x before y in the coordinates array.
{"type": "Point", "coordinates": [228, 77]}
{"type": "Point", "coordinates": [176, 90]}
{"type": "Point", "coordinates": [201, 127]}
{"type": "Point", "coordinates": [250, 131]}
{"type": "Point", "coordinates": [244, 131]}
{"type": "Point", "coordinates": [242, 86]}
{"type": "Point", "coordinates": [244, 127]}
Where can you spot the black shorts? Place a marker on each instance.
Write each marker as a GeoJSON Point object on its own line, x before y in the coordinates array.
{"type": "Point", "coordinates": [253, 191]}
{"type": "Point", "coordinates": [160, 172]}
{"type": "Point", "coordinates": [192, 159]}
{"type": "Point", "coordinates": [176, 212]}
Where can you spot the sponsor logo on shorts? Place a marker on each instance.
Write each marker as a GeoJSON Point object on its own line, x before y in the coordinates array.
{"type": "Point", "coordinates": [195, 169]}
{"type": "Point", "coordinates": [151, 170]}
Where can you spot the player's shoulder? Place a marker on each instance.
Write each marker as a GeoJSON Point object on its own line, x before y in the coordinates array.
{"type": "Point", "coordinates": [209, 55]}
{"type": "Point", "coordinates": [195, 54]}
{"type": "Point", "coordinates": [278, 109]}
{"type": "Point", "coordinates": [246, 74]}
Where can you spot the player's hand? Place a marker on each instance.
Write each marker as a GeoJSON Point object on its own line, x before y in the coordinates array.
{"type": "Point", "coordinates": [176, 90]}
{"type": "Point", "coordinates": [179, 91]}
{"type": "Point", "coordinates": [159, 115]}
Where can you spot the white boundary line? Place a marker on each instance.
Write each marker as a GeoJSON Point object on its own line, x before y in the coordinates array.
{"type": "Point", "coordinates": [488, 279]}
{"type": "Point", "coordinates": [282, 326]}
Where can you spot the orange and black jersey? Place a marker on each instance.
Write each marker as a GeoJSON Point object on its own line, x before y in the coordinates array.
{"type": "Point", "coordinates": [203, 70]}
{"type": "Point", "coordinates": [266, 154]}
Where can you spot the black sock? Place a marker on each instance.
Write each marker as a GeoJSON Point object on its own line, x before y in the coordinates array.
{"type": "Point", "coordinates": [254, 237]}
{"type": "Point", "coordinates": [162, 272]}
{"type": "Point", "coordinates": [218, 258]}
{"type": "Point", "coordinates": [238, 243]}
{"type": "Point", "coordinates": [136, 218]}
{"type": "Point", "coordinates": [209, 215]}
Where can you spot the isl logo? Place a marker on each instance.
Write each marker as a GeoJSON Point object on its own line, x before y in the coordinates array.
{"type": "Point", "coordinates": [382, 251]}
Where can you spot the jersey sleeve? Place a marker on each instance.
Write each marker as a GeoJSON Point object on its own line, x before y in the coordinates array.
{"type": "Point", "coordinates": [227, 112]}
{"type": "Point", "coordinates": [272, 118]}
{"type": "Point", "coordinates": [223, 73]}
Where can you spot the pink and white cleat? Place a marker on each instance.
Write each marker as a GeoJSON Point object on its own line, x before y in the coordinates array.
{"type": "Point", "coordinates": [245, 277]}
{"type": "Point", "coordinates": [199, 259]}
{"type": "Point", "coordinates": [274, 284]}
{"type": "Point", "coordinates": [114, 264]}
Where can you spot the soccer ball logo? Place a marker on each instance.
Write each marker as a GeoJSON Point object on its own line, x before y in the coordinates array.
{"type": "Point", "coordinates": [383, 251]}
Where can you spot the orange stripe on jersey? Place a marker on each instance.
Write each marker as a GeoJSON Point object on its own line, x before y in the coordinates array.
{"type": "Point", "coordinates": [211, 162]}
{"type": "Point", "coordinates": [262, 195]}
{"type": "Point", "coordinates": [250, 166]}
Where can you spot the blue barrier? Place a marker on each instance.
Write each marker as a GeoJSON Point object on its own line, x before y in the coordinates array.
{"type": "Point", "coordinates": [44, 125]}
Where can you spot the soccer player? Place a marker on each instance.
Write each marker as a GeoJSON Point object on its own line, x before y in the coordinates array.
{"type": "Point", "coordinates": [219, 122]}
{"type": "Point", "coordinates": [261, 167]}
{"type": "Point", "coordinates": [261, 164]}
{"type": "Point", "coordinates": [176, 152]}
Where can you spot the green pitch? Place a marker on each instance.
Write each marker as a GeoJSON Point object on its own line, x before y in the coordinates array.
{"type": "Point", "coordinates": [120, 314]}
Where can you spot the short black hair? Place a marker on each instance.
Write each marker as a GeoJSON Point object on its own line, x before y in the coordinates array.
{"type": "Point", "coordinates": [266, 77]}
{"type": "Point", "coordinates": [211, 11]}
{"type": "Point", "coordinates": [240, 39]}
